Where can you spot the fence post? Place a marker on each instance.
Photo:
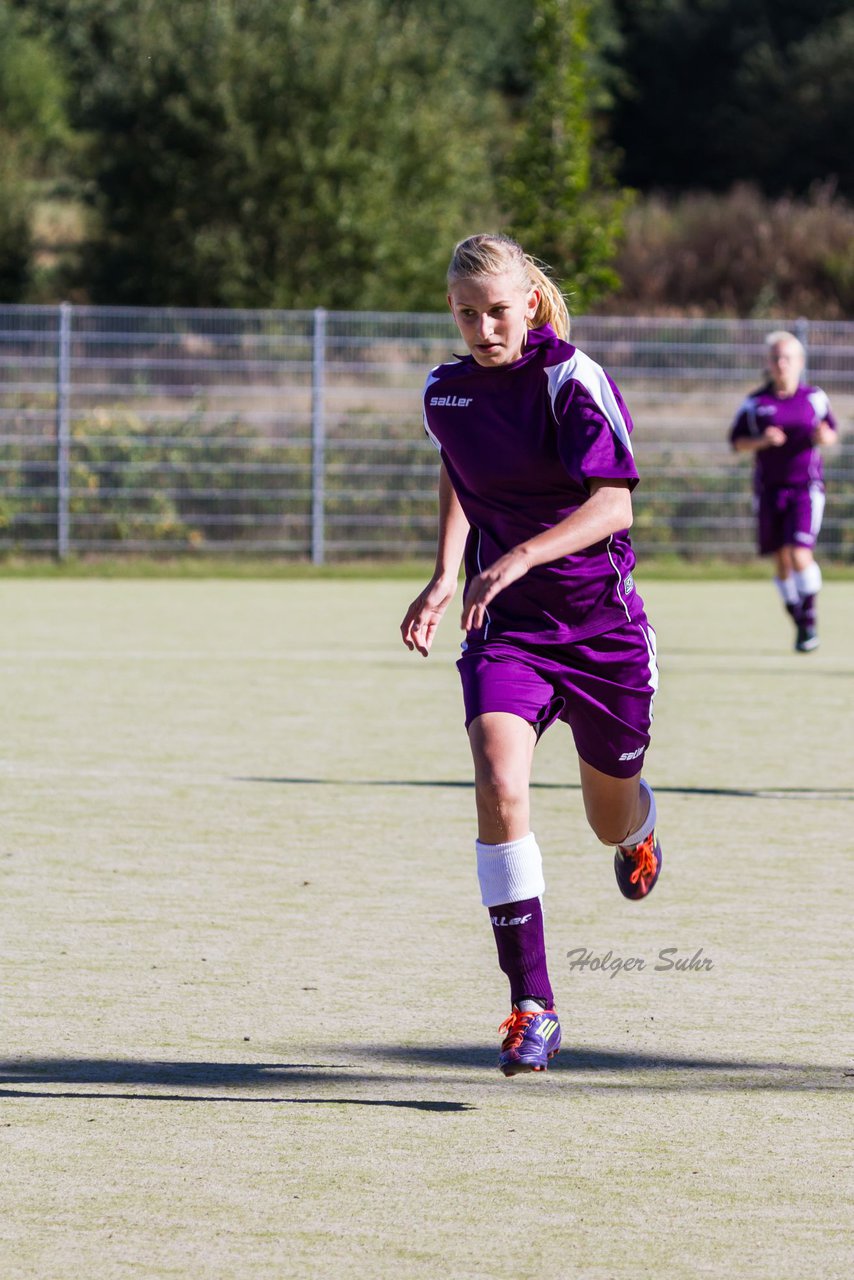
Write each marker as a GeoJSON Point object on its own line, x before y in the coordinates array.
{"type": "Point", "coordinates": [802, 333]}
{"type": "Point", "coordinates": [318, 438]}
{"type": "Point", "coordinates": [63, 433]}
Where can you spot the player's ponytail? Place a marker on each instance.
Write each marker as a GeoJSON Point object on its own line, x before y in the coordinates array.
{"type": "Point", "coordinates": [492, 255]}
{"type": "Point", "coordinates": [552, 309]}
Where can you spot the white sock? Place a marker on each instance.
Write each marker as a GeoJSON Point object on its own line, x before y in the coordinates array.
{"type": "Point", "coordinates": [808, 581]}
{"type": "Point", "coordinates": [787, 589]}
{"type": "Point", "coordinates": [510, 872]}
{"type": "Point", "coordinates": [648, 823]}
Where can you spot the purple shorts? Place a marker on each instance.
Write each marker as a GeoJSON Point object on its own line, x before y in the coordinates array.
{"type": "Point", "coordinates": [603, 688]}
{"type": "Point", "coordinates": [789, 517]}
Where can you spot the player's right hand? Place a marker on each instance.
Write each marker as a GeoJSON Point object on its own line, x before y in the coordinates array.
{"type": "Point", "coordinates": [773, 437]}
{"type": "Point", "coordinates": [424, 615]}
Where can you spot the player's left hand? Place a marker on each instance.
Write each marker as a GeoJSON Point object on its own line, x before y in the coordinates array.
{"type": "Point", "coordinates": [486, 586]}
{"type": "Point", "coordinates": [823, 434]}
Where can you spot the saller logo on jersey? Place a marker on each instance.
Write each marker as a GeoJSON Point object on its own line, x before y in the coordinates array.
{"type": "Point", "coordinates": [451, 402]}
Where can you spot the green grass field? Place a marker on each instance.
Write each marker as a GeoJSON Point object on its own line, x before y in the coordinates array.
{"type": "Point", "coordinates": [250, 995]}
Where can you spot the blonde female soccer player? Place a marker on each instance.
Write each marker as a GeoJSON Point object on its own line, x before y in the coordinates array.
{"type": "Point", "coordinates": [535, 493]}
{"type": "Point", "coordinates": [784, 425]}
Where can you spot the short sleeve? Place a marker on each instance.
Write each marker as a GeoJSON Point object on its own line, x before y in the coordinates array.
{"type": "Point", "coordinates": [590, 446]}
{"type": "Point", "coordinates": [432, 377]}
{"type": "Point", "coordinates": [744, 425]}
{"type": "Point", "coordinates": [593, 424]}
{"type": "Point", "coordinates": [823, 411]}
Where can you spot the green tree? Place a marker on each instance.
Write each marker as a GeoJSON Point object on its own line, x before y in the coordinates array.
{"type": "Point", "coordinates": [33, 129]}
{"type": "Point", "coordinates": [562, 202]}
{"type": "Point", "coordinates": [793, 109]}
{"type": "Point", "coordinates": [254, 153]}
{"type": "Point", "coordinates": [486, 36]}
{"type": "Point", "coordinates": [734, 90]}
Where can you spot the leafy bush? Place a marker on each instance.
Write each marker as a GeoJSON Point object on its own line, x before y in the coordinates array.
{"type": "Point", "coordinates": [174, 485]}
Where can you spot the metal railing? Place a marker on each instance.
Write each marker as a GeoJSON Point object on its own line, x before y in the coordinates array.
{"type": "Point", "coordinates": [297, 434]}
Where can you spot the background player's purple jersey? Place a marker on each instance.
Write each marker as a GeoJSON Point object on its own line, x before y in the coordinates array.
{"type": "Point", "coordinates": [797, 463]}
{"type": "Point", "coordinates": [520, 443]}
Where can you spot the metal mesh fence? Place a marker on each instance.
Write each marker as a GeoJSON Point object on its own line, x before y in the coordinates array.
{"type": "Point", "coordinates": [297, 434]}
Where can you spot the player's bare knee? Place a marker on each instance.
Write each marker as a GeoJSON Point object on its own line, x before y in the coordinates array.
{"type": "Point", "coordinates": [500, 792]}
{"type": "Point", "coordinates": [609, 824]}
{"type": "Point", "coordinates": [615, 824]}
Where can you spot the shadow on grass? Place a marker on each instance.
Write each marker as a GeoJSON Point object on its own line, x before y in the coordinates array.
{"type": "Point", "coordinates": [659, 1072]}
{"type": "Point", "coordinates": [580, 1067]}
{"type": "Point", "coordinates": [200, 1076]}
{"type": "Point", "coordinates": [747, 793]}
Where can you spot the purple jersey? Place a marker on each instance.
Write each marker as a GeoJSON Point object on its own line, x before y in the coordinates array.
{"type": "Point", "coordinates": [520, 443]}
{"type": "Point", "coordinates": [797, 463]}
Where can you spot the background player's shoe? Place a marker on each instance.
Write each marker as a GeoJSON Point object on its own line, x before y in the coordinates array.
{"type": "Point", "coordinates": [532, 1038]}
{"type": "Point", "coordinates": [637, 868]}
{"type": "Point", "coordinates": [807, 639]}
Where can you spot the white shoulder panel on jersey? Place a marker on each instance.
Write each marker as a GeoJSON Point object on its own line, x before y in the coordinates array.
{"type": "Point", "coordinates": [432, 377]}
{"type": "Point", "coordinates": [581, 368]}
{"type": "Point", "coordinates": [820, 403]}
{"type": "Point", "coordinates": [748, 406]}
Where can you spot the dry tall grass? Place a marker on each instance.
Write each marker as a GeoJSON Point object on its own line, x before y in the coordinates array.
{"type": "Point", "coordinates": [738, 254]}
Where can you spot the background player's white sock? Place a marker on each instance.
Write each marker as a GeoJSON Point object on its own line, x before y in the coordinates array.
{"type": "Point", "coordinates": [808, 581]}
{"type": "Point", "coordinates": [510, 872]}
{"type": "Point", "coordinates": [648, 823]}
{"type": "Point", "coordinates": [788, 590]}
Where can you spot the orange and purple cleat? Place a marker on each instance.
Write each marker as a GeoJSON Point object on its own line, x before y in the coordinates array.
{"type": "Point", "coordinates": [637, 868]}
{"type": "Point", "coordinates": [532, 1038]}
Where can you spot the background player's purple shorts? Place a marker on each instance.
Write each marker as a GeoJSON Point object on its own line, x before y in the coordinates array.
{"type": "Point", "coordinates": [603, 688]}
{"type": "Point", "coordinates": [789, 517]}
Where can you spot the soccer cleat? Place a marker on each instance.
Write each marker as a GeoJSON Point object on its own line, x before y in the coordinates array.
{"type": "Point", "coordinates": [532, 1038]}
{"type": "Point", "coordinates": [637, 868]}
{"type": "Point", "coordinates": [807, 639]}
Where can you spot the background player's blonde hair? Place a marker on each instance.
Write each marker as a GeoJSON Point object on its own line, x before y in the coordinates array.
{"type": "Point", "coordinates": [783, 335]}
{"type": "Point", "coordinates": [492, 255]}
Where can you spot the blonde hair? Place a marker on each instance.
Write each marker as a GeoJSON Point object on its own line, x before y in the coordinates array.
{"type": "Point", "coordinates": [783, 335]}
{"type": "Point", "coordinates": [493, 255]}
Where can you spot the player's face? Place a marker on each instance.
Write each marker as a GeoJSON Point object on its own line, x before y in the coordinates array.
{"type": "Point", "coordinates": [492, 315]}
{"type": "Point", "coordinates": [785, 363]}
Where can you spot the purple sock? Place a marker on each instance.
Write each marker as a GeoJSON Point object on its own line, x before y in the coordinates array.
{"type": "Point", "coordinates": [518, 929]}
{"type": "Point", "coordinates": [808, 611]}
